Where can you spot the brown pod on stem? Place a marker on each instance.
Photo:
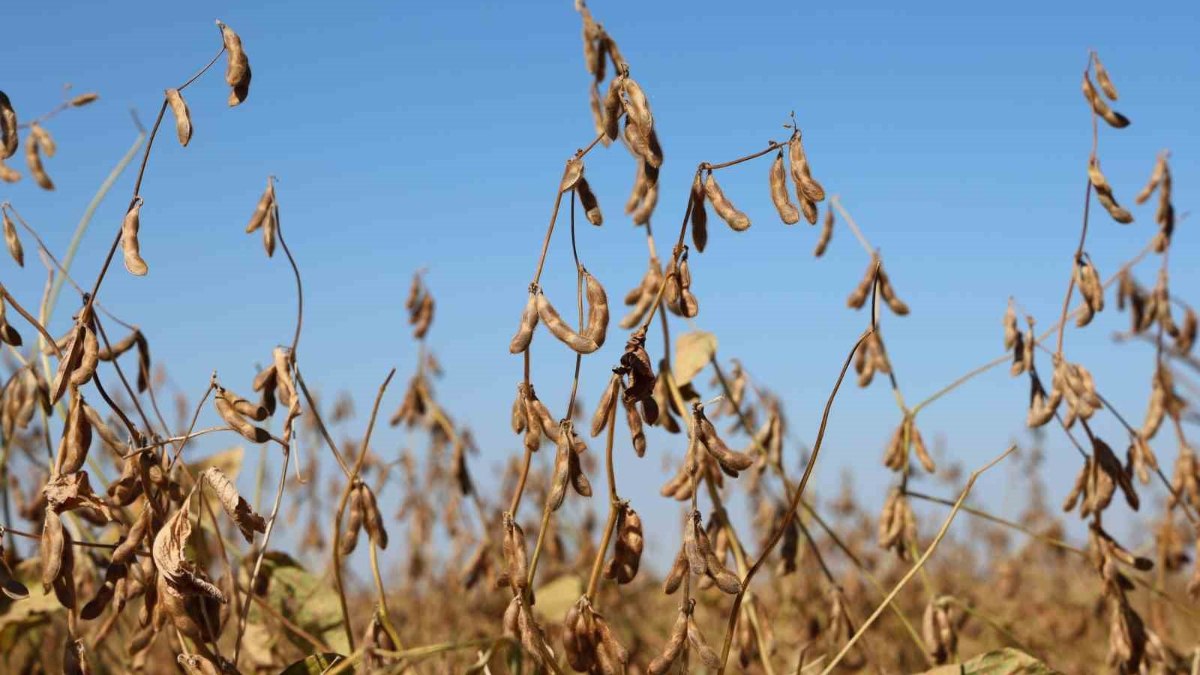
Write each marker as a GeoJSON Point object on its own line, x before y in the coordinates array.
{"type": "Point", "coordinates": [225, 409]}
{"type": "Point", "coordinates": [777, 180]}
{"type": "Point", "coordinates": [237, 68]}
{"type": "Point", "coordinates": [807, 188]}
{"type": "Point", "coordinates": [43, 138]}
{"type": "Point", "coordinates": [354, 524]}
{"type": "Point", "coordinates": [12, 240]}
{"type": "Point", "coordinates": [1114, 118]}
{"type": "Point", "coordinates": [8, 174]}
{"type": "Point", "coordinates": [1104, 194]}
{"type": "Point", "coordinates": [1103, 79]}
{"type": "Point", "coordinates": [735, 219]}
{"type": "Point", "coordinates": [587, 199]}
{"type": "Point", "coordinates": [183, 117]}
{"type": "Point", "coordinates": [529, 319]}
{"type": "Point", "coordinates": [826, 234]}
{"type": "Point", "coordinates": [607, 406]}
{"type": "Point", "coordinates": [264, 207]}
{"type": "Point", "coordinates": [87, 360]}
{"type": "Point", "coordinates": [699, 215]}
{"type": "Point", "coordinates": [129, 240]}
{"type": "Point", "coordinates": [8, 128]}
{"type": "Point", "coordinates": [613, 105]}
{"type": "Point", "coordinates": [33, 159]}
{"type": "Point", "coordinates": [597, 323]}
{"type": "Point", "coordinates": [559, 328]}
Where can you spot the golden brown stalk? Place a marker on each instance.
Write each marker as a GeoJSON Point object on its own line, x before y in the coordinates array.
{"type": "Point", "coordinates": [237, 69]}
{"type": "Point", "coordinates": [777, 181]}
{"type": "Point", "coordinates": [736, 220]}
{"type": "Point", "coordinates": [129, 240]}
{"type": "Point", "coordinates": [183, 117]}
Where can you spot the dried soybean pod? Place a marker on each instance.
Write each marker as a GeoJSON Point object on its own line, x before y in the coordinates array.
{"type": "Point", "coordinates": [637, 107]}
{"type": "Point", "coordinates": [562, 474]}
{"type": "Point", "coordinates": [674, 647]}
{"type": "Point", "coordinates": [8, 128]}
{"type": "Point", "coordinates": [529, 318]}
{"type": "Point", "coordinates": [561, 330]}
{"type": "Point", "coordinates": [699, 215]}
{"type": "Point", "coordinates": [597, 323]}
{"type": "Point", "coordinates": [8, 174]}
{"type": "Point", "coordinates": [736, 220]}
{"type": "Point", "coordinates": [263, 207]}
{"type": "Point", "coordinates": [183, 117]}
{"type": "Point", "coordinates": [143, 352]}
{"type": "Point", "coordinates": [807, 188]}
{"type": "Point", "coordinates": [1103, 79]}
{"type": "Point", "coordinates": [1156, 177]}
{"type": "Point", "coordinates": [642, 214]}
{"type": "Point", "coordinates": [571, 174]}
{"type": "Point", "coordinates": [372, 518]}
{"type": "Point", "coordinates": [587, 199]}
{"type": "Point", "coordinates": [826, 234]}
{"type": "Point", "coordinates": [84, 99]}
{"type": "Point", "coordinates": [607, 406]}
{"type": "Point", "coordinates": [354, 523]}
{"type": "Point", "coordinates": [636, 432]}
{"type": "Point", "coordinates": [1114, 118]}
{"type": "Point", "coordinates": [12, 240]}
{"type": "Point", "coordinates": [239, 424]}
{"type": "Point", "coordinates": [43, 138]}
{"type": "Point", "coordinates": [237, 69]}
{"type": "Point", "coordinates": [34, 161]}
{"type": "Point", "coordinates": [51, 549]}
{"type": "Point", "coordinates": [675, 577]}
{"type": "Point", "coordinates": [129, 240]}
{"type": "Point", "coordinates": [87, 360]}
{"type": "Point", "coordinates": [707, 656]}
{"type": "Point", "coordinates": [612, 109]}
{"type": "Point", "coordinates": [778, 184]}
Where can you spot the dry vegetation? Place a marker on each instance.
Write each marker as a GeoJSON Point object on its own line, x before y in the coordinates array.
{"type": "Point", "coordinates": [122, 552]}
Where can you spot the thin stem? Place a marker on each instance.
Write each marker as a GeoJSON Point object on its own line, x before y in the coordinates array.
{"type": "Point", "coordinates": [791, 513]}
{"type": "Point", "coordinates": [341, 510]}
{"type": "Point", "coordinates": [614, 501]}
{"type": "Point", "coordinates": [920, 562]}
{"type": "Point", "coordinates": [836, 202]}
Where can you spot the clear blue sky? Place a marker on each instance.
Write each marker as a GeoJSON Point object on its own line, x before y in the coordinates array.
{"type": "Point", "coordinates": [433, 135]}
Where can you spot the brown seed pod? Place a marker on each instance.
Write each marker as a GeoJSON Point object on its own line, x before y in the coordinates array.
{"type": "Point", "coordinates": [613, 107]}
{"type": "Point", "coordinates": [129, 240]}
{"type": "Point", "coordinates": [372, 518]}
{"type": "Point", "coordinates": [636, 105]}
{"type": "Point", "coordinates": [707, 656]}
{"type": "Point", "coordinates": [43, 138]}
{"type": "Point", "coordinates": [1114, 118]}
{"type": "Point", "coordinates": [51, 549]}
{"type": "Point", "coordinates": [730, 461]}
{"type": "Point", "coordinates": [735, 219]}
{"type": "Point", "coordinates": [354, 523]}
{"type": "Point", "coordinates": [627, 551]}
{"type": "Point", "coordinates": [514, 554]}
{"type": "Point", "coordinates": [1090, 287]}
{"type": "Point", "coordinates": [8, 174]}
{"type": "Point", "coordinates": [264, 207]}
{"type": "Point", "coordinates": [1157, 174]}
{"type": "Point", "coordinates": [70, 360]}
{"type": "Point", "coordinates": [33, 159]}
{"type": "Point", "coordinates": [183, 117]}
{"type": "Point", "coordinates": [234, 419]}
{"type": "Point", "coordinates": [641, 215]}
{"type": "Point", "coordinates": [678, 569]}
{"type": "Point", "coordinates": [84, 99]}
{"type": "Point", "coordinates": [699, 216]}
{"type": "Point", "coordinates": [124, 553]}
{"type": "Point", "coordinates": [607, 407]}
{"type": "Point", "coordinates": [777, 180]}
{"type": "Point", "coordinates": [237, 68]}
{"type": "Point", "coordinates": [529, 318]}
{"type": "Point", "coordinates": [1103, 79]}
{"type": "Point", "coordinates": [571, 174]}
{"type": "Point", "coordinates": [587, 199]}
{"type": "Point", "coordinates": [8, 128]}
{"type": "Point", "coordinates": [597, 323]}
{"type": "Point", "coordinates": [826, 234]}
{"type": "Point", "coordinates": [559, 328]}
{"type": "Point", "coordinates": [11, 240]}
{"type": "Point", "coordinates": [670, 653]}
{"type": "Point", "coordinates": [87, 360]}
{"type": "Point", "coordinates": [1104, 193]}
{"type": "Point", "coordinates": [807, 188]}
{"type": "Point", "coordinates": [858, 297]}
{"type": "Point", "coordinates": [235, 506]}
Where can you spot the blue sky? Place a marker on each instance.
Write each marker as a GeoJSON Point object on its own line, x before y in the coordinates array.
{"type": "Point", "coordinates": [432, 136]}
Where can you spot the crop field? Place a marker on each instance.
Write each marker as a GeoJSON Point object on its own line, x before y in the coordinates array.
{"type": "Point", "coordinates": [639, 493]}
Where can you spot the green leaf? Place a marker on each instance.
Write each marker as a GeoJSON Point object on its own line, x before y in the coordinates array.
{"type": "Point", "coordinates": [1005, 661]}
{"type": "Point", "coordinates": [693, 351]}
{"type": "Point", "coordinates": [314, 664]}
{"type": "Point", "coordinates": [305, 599]}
